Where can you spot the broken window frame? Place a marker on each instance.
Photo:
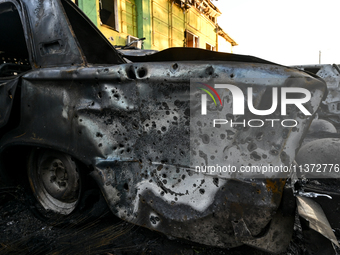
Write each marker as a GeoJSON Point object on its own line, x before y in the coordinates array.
{"type": "Point", "coordinates": [115, 15]}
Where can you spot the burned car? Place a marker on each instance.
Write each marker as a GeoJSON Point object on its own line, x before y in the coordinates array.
{"type": "Point", "coordinates": [146, 130]}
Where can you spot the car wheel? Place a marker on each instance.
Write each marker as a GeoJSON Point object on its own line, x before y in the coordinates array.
{"type": "Point", "coordinates": [55, 181]}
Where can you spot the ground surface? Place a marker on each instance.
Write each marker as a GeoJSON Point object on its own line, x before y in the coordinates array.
{"type": "Point", "coordinates": [22, 233]}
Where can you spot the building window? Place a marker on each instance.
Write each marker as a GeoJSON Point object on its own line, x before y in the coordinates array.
{"type": "Point", "coordinates": [208, 46]}
{"type": "Point", "coordinates": [192, 40]}
{"type": "Point", "coordinates": [109, 13]}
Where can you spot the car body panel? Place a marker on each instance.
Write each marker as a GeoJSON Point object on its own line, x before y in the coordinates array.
{"type": "Point", "coordinates": [134, 131]}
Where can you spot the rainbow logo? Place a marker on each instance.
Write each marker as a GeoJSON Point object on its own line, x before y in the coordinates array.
{"type": "Point", "coordinates": [209, 93]}
{"type": "Point", "coordinates": [204, 97]}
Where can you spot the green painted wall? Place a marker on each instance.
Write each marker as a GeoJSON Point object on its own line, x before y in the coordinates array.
{"type": "Point", "coordinates": [89, 7]}
{"type": "Point", "coordinates": [144, 27]}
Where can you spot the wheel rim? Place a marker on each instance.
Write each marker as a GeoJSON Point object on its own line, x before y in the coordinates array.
{"type": "Point", "coordinates": [55, 180]}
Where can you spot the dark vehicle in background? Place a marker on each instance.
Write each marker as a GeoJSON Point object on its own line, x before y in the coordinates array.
{"type": "Point", "coordinates": [73, 108]}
